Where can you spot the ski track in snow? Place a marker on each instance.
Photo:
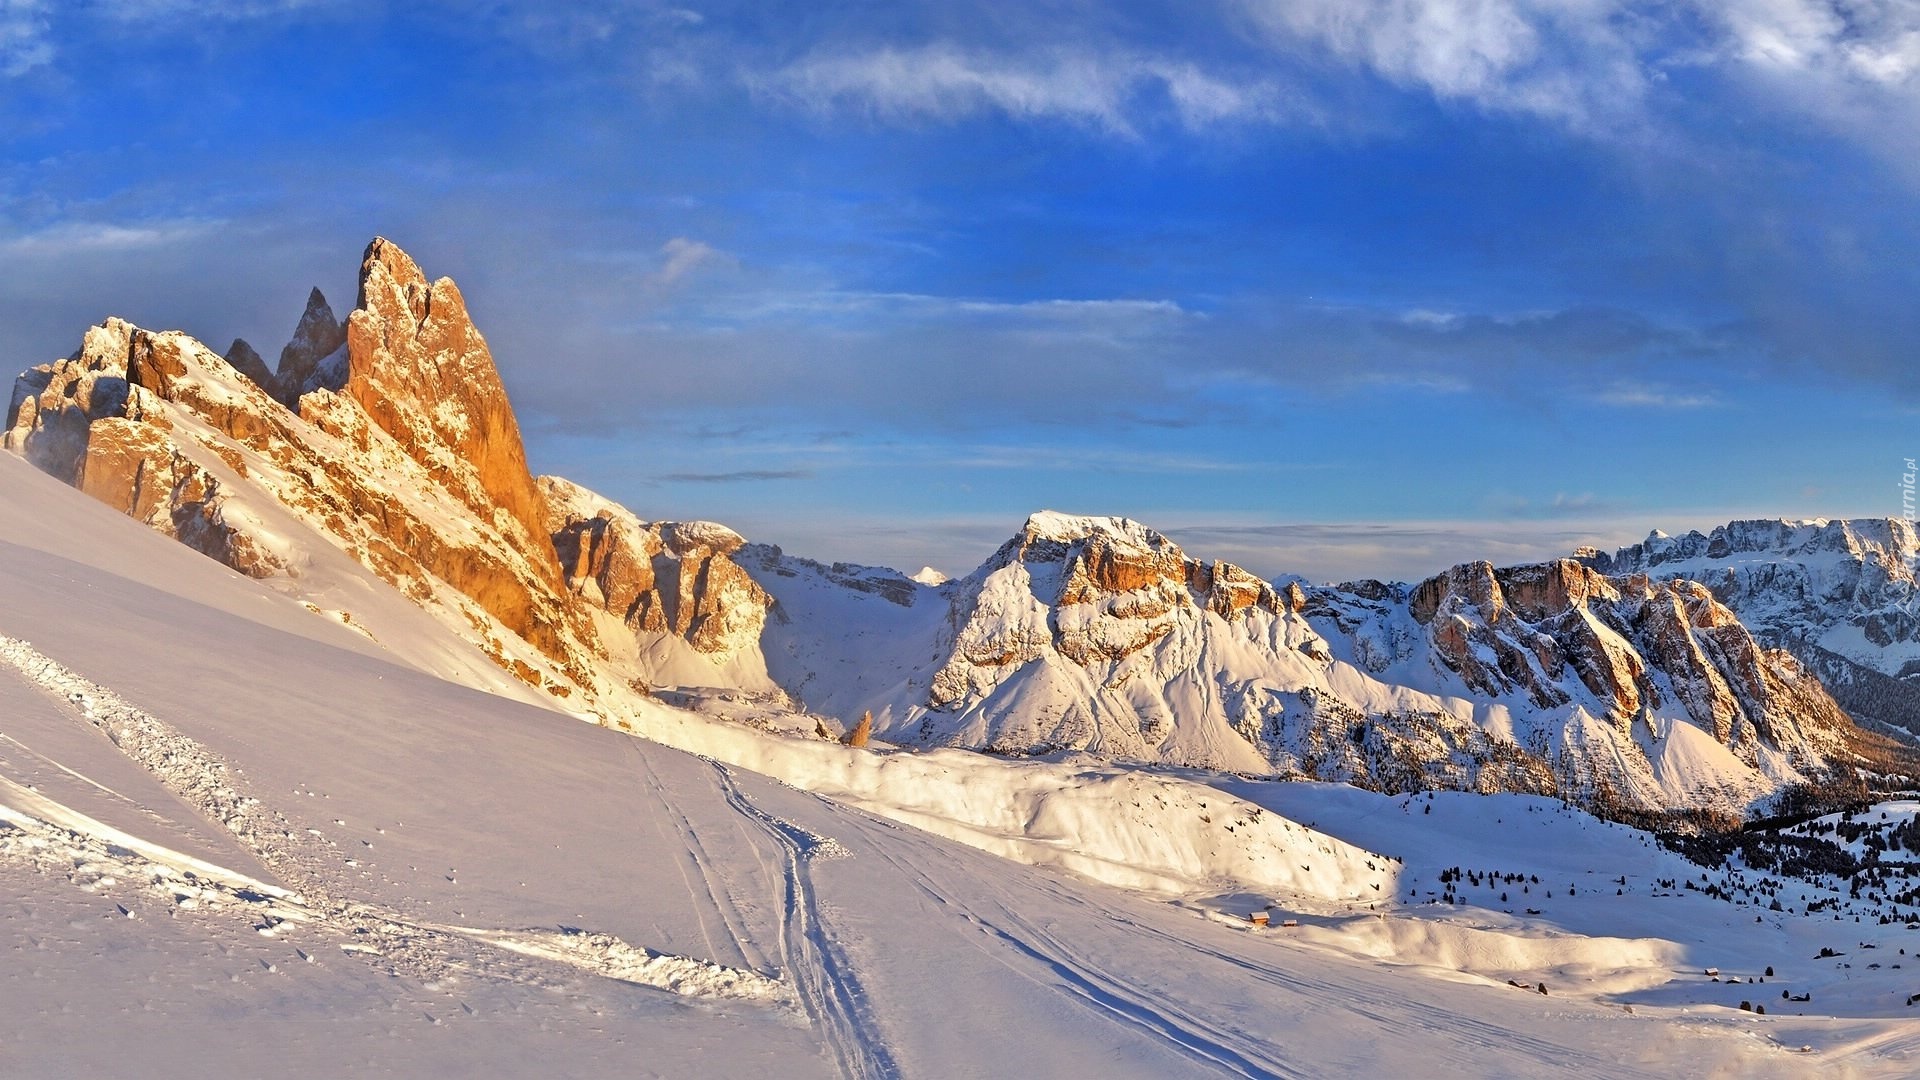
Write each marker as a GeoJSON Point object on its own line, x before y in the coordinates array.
{"type": "Point", "coordinates": [1209, 1044]}
{"type": "Point", "coordinates": [56, 840]}
{"type": "Point", "coordinates": [705, 885]}
{"type": "Point", "coordinates": [1457, 1044]}
{"type": "Point", "coordinates": [821, 972]}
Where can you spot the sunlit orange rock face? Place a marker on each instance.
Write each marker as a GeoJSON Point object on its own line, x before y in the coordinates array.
{"type": "Point", "coordinates": [391, 434]}
{"type": "Point", "coordinates": [421, 371]}
{"type": "Point", "coordinates": [674, 577]}
{"type": "Point", "coordinates": [400, 447]}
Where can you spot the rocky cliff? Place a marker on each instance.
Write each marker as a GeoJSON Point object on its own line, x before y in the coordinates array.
{"type": "Point", "coordinates": [671, 581]}
{"type": "Point", "coordinates": [1840, 594]}
{"type": "Point", "coordinates": [1101, 635]}
{"type": "Point", "coordinates": [390, 437]}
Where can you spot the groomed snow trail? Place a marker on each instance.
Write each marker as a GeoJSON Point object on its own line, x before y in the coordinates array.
{"type": "Point", "coordinates": [54, 839]}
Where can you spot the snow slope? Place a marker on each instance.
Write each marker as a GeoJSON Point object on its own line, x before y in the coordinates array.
{"type": "Point", "coordinates": [450, 882]}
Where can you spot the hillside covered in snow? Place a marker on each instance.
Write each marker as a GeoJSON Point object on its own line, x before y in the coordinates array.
{"type": "Point", "coordinates": [293, 778]}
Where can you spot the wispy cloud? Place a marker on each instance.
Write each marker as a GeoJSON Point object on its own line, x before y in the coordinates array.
{"type": "Point", "coordinates": [1573, 60]}
{"type": "Point", "coordinates": [681, 258]}
{"type": "Point", "coordinates": [94, 237]}
{"type": "Point", "coordinates": [1653, 396]}
{"type": "Point", "coordinates": [1105, 90]}
{"type": "Point", "coordinates": [1561, 504]}
{"type": "Point", "coordinates": [1392, 550]}
{"type": "Point", "coordinates": [1603, 66]}
{"type": "Point", "coordinates": [930, 306]}
{"type": "Point", "coordinates": [28, 35]}
{"type": "Point", "coordinates": [1035, 458]}
{"type": "Point", "coordinates": [23, 37]}
{"type": "Point", "coordinates": [1317, 551]}
{"type": "Point", "coordinates": [138, 10]}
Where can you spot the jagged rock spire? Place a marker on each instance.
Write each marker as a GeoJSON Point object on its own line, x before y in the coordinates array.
{"type": "Point", "coordinates": [244, 359]}
{"type": "Point", "coordinates": [318, 336]}
{"type": "Point", "coordinates": [421, 371]}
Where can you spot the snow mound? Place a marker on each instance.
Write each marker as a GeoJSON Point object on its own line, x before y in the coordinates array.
{"type": "Point", "coordinates": [1133, 829]}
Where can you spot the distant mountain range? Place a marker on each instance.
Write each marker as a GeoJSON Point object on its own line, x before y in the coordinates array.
{"type": "Point", "coordinates": [1840, 595]}
{"type": "Point", "coordinates": [377, 473]}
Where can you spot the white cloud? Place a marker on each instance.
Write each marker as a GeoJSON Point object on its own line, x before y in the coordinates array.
{"type": "Point", "coordinates": [1101, 90]}
{"type": "Point", "coordinates": [91, 237]}
{"type": "Point", "coordinates": [680, 258]}
{"type": "Point", "coordinates": [1872, 43]}
{"type": "Point", "coordinates": [1569, 60]}
{"type": "Point", "coordinates": [1852, 66]}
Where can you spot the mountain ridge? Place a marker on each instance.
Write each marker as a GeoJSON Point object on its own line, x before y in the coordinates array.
{"type": "Point", "coordinates": [1839, 593]}
{"type": "Point", "coordinates": [388, 437]}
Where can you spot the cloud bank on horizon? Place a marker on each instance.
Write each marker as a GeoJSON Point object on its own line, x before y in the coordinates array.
{"type": "Point", "coordinates": [1548, 266]}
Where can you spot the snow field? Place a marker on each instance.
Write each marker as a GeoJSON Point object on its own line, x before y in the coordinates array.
{"type": "Point", "coordinates": [41, 832]}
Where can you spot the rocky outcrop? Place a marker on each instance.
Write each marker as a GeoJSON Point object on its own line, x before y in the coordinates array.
{"type": "Point", "coordinates": [167, 431]}
{"type": "Point", "coordinates": [675, 578]}
{"type": "Point", "coordinates": [1636, 646]}
{"type": "Point", "coordinates": [420, 370]}
{"type": "Point", "coordinates": [1842, 595]}
{"type": "Point", "coordinates": [303, 362]}
{"type": "Point", "coordinates": [1094, 591]}
{"type": "Point", "coordinates": [99, 420]}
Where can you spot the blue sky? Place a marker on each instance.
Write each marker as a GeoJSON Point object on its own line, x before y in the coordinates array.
{"type": "Point", "coordinates": [1335, 287]}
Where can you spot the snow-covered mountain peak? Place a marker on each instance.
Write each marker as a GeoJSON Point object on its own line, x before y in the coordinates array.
{"type": "Point", "coordinates": [1766, 539]}
{"type": "Point", "coordinates": [697, 538]}
{"type": "Point", "coordinates": [1066, 528]}
{"type": "Point", "coordinates": [317, 337]}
